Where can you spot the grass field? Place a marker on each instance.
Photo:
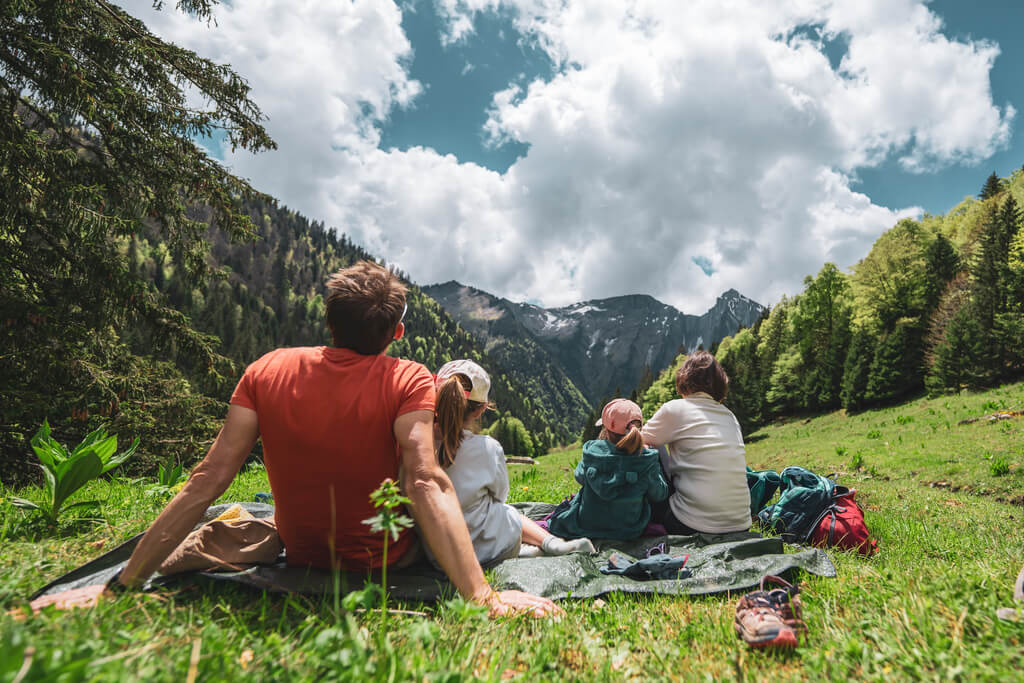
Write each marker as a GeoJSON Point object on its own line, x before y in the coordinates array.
{"type": "Point", "coordinates": [943, 500]}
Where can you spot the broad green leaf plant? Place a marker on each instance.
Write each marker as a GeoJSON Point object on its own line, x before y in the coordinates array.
{"type": "Point", "coordinates": [64, 473]}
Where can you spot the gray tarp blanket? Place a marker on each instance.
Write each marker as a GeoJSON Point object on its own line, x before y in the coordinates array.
{"type": "Point", "coordinates": [730, 562]}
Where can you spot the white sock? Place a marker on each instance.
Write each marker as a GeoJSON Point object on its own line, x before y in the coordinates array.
{"type": "Point", "coordinates": [527, 550]}
{"type": "Point", "coordinates": [553, 545]}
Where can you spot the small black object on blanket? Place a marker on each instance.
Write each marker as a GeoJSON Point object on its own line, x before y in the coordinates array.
{"type": "Point", "coordinates": [659, 566]}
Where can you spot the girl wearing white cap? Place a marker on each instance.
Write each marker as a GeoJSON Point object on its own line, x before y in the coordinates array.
{"type": "Point", "coordinates": [476, 465]}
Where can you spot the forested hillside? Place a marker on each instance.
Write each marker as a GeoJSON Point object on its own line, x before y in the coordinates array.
{"type": "Point", "coordinates": [270, 294]}
{"type": "Point", "coordinates": [937, 304]}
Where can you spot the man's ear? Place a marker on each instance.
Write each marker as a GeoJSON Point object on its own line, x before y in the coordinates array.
{"type": "Point", "coordinates": [399, 331]}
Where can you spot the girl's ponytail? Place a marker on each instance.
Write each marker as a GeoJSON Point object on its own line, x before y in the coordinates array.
{"type": "Point", "coordinates": [631, 442]}
{"type": "Point", "coordinates": [451, 416]}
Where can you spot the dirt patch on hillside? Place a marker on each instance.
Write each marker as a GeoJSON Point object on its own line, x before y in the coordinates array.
{"type": "Point", "coordinates": [976, 491]}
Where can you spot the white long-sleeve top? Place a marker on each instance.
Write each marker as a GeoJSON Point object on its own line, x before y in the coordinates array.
{"type": "Point", "coordinates": [706, 461]}
{"type": "Point", "coordinates": [480, 478]}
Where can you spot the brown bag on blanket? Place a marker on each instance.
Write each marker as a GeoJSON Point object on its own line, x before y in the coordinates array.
{"type": "Point", "coordinates": [233, 541]}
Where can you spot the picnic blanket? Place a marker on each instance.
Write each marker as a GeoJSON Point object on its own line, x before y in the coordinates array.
{"type": "Point", "coordinates": [719, 563]}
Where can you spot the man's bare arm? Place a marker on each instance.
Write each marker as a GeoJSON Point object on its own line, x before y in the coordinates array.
{"type": "Point", "coordinates": [208, 481]}
{"type": "Point", "coordinates": [439, 518]}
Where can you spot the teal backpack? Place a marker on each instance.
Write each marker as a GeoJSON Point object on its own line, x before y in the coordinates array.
{"type": "Point", "coordinates": [803, 498]}
{"type": "Point", "coordinates": [762, 484]}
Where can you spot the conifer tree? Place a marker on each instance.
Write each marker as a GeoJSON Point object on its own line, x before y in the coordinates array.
{"type": "Point", "coordinates": [97, 121]}
{"type": "Point", "coordinates": [941, 265]}
{"type": "Point", "coordinates": [857, 369]}
{"type": "Point", "coordinates": [992, 285]}
{"type": "Point", "coordinates": [1009, 225]}
{"type": "Point", "coordinates": [958, 360]}
{"type": "Point", "coordinates": [646, 380]}
{"type": "Point", "coordinates": [986, 271]}
{"type": "Point", "coordinates": [1007, 320]}
{"type": "Point", "coordinates": [896, 367]}
{"type": "Point", "coordinates": [590, 428]}
{"type": "Point", "coordinates": [821, 324]}
{"type": "Point", "coordinates": [993, 186]}
{"type": "Point", "coordinates": [954, 339]}
{"type": "Point", "coordinates": [97, 136]}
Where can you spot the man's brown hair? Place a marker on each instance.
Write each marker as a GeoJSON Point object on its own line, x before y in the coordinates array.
{"type": "Point", "coordinates": [365, 303]}
{"type": "Point", "coordinates": [701, 372]}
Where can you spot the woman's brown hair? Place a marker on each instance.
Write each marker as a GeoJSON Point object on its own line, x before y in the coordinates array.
{"type": "Point", "coordinates": [631, 442]}
{"type": "Point", "coordinates": [701, 372]}
{"type": "Point", "coordinates": [450, 412]}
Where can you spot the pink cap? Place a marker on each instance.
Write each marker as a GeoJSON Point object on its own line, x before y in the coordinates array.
{"type": "Point", "coordinates": [617, 415]}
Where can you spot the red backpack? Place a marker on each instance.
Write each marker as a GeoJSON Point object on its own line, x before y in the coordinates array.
{"type": "Point", "coordinates": [842, 525]}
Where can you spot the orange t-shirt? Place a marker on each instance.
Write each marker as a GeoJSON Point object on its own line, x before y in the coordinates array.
{"type": "Point", "coordinates": [326, 417]}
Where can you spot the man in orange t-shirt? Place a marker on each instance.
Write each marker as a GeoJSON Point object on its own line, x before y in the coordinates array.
{"type": "Point", "coordinates": [335, 422]}
{"type": "Point", "coordinates": [326, 417]}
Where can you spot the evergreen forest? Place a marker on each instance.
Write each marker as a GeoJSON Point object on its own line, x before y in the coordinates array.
{"type": "Point", "coordinates": [262, 293]}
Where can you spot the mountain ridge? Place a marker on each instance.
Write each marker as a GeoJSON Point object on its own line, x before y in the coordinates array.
{"type": "Point", "coordinates": [603, 346]}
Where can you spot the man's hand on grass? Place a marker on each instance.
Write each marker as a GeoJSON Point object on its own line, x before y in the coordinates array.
{"type": "Point", "coordinates": [70, 599]}
{"type": "Point", "coordinates": [509, 603]}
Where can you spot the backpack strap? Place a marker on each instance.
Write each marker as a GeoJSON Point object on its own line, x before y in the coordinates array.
{"type": "Point", "coordinates": [832, 525]}
{"type": "Point", "coordinates": [830, 510]}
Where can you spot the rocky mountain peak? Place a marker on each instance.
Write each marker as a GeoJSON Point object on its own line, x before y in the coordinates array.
{"type": "Point", "coordinates": [602, 345]}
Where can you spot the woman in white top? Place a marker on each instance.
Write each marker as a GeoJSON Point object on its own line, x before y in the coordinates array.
{"type": "Point", "coordinates": [476, 465]}
{"type": "Point", "coordinates": [704, 458]}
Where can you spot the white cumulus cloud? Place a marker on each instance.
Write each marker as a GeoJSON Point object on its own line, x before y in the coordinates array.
{"type": "Point", "coordinates": [674, 133]}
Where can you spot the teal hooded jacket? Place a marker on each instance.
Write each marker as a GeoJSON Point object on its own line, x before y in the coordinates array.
{"type": "Point", "coordinates": [618, 489]}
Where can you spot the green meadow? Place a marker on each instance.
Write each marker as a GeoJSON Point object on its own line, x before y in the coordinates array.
{"type": "Point", "coordinates": [942, 498]}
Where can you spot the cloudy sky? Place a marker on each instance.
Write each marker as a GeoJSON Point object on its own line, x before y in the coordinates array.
{"type": "Point", "coordinates": [560, 150]}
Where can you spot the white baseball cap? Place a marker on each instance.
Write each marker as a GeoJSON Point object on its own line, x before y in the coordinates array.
{"type": "Point", "coordinates": [477, 376]}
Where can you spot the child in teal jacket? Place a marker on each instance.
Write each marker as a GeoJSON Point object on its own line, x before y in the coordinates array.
{"type": "Point", "coordinates": [619, 478]}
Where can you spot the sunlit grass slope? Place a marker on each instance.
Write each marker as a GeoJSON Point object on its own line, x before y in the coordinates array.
{"type": "Point", "coordinates": [942, 498]}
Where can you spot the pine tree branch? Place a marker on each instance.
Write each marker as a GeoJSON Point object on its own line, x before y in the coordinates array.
{"type": "Point", "coordinates": [162, 48]}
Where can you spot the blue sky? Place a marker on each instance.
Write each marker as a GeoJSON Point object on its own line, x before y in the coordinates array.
{"type": "Point", "coordinates": [460, 80]}
{"type": "Point", "coordinates": [558, 152]}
